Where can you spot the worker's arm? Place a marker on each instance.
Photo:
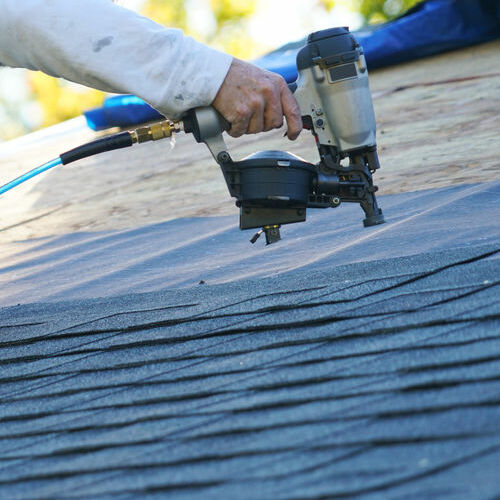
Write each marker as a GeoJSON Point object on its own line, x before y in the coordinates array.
{"type": "Point", "coordinates": [101, 45]}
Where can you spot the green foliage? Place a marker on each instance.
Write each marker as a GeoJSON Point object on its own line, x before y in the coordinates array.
{"type": "Point", "coordinates": [230, 17]}
{"type": "Point", "coordinates": [60, 100]}
{"type": "Point", "coordinates": [326, 4]}
{"type": "Point", "coordinates": [383, 10]}
{"type": "Point", "coordinates": [171, 13]}
{"type": "Point", "coordinates": [231, 11]}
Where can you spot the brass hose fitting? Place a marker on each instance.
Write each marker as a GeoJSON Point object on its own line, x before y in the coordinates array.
{"type": "Point", "coordinates": [155, 131]}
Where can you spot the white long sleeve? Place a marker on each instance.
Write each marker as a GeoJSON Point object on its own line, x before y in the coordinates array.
{"type": "Point", "coordinates": [101, 45]}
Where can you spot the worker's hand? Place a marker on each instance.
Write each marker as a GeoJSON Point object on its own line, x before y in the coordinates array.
{"type": "Point", "coordinates": [255, 100]}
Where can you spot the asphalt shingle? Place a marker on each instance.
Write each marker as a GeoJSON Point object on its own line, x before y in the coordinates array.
{"type": "Point", "coordinates": [331, 373]}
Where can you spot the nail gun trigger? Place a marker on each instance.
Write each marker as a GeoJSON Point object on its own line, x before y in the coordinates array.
{"type": "Point", "coordinates": [307, 123]}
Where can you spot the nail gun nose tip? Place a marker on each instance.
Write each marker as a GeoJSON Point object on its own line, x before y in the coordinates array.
{"type": "Point", "coordinates": [374, 220]}
{"type": "Point", "coordinates": [256, 236]}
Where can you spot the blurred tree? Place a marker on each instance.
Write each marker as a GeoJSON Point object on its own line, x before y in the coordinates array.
{"type": "Point", "coordinates": [230, 11]}
{"type": "Point", "coordinates": [327, 4]}
{"type": "Point", "coordinates": [229, 20]}
{"type": "Point", "coordinates": [375, 11]}
{"type": "Point", "coordinates": [231, 35]}
{"type": "Point", "coordinates": [60, 100]}
{"type": "Point", "coordinates": [171, 13]}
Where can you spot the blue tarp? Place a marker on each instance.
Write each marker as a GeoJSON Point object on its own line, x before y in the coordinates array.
{"type": "Point", "coordinates": [429, 28]}
{"type": "Point", "coordinates": [121, 111]}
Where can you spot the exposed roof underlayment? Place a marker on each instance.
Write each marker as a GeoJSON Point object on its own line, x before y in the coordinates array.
{"type": "Point", "coordinates": [183, 252]}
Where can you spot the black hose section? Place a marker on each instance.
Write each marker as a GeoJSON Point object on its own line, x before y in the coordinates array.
{"type": "Point", "coordinates": [116, 141]}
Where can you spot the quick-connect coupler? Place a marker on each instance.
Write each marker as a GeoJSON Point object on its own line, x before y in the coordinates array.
{"type": "Point", "coordinates": [153, 132]}
{"type": "Point", "coordinates": [156, 131]}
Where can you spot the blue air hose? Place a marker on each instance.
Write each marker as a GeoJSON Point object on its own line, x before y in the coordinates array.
{"type": "Point", "coordinates": [30, 174]}
{"type": "Point", "coordinates": [153, 132]}
{"type": "Point", "coordinates": [116, 141]}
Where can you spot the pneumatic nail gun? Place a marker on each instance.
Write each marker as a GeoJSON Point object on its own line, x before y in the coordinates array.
{"type": "Point", "coordinates": [276, 187]}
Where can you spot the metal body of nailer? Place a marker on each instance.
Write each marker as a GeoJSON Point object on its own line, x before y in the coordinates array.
{"type": "Point", "coordinates": [275, 187]}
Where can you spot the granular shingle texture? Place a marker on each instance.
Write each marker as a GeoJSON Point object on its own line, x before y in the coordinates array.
{"type": "Point", "coordinates": [343, 377]}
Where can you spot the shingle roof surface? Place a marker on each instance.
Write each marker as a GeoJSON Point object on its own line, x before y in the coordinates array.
{"type": "Point", "coordinates": [353, 363]}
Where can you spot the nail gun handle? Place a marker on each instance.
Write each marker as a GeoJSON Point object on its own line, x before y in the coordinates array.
{"type": "Point", "coordinates": [204, 122]}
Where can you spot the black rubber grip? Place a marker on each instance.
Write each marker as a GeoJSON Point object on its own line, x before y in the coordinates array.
{"type": "Point", "coordinates": [116, 141]}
